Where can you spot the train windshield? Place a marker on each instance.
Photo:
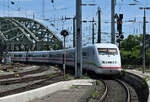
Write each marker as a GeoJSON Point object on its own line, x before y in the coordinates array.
{"type": "Point", "coordinates": [107, 51]}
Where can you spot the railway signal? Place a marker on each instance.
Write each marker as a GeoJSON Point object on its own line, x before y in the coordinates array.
{"type": "Point", "coordinates": [64, 33]}
{"type": "Point", "coordinates": [119, 28]}
{"type": "Point", "coordinates": [119, 23]}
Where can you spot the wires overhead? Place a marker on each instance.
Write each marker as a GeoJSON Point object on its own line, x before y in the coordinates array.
{"type": "Point", "coordinates": [135, 0]}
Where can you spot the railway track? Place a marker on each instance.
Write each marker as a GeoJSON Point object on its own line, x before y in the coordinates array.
{"type": "Point", "coordinates": [46, 81]}
{"type": "Point", "coordinates": [115, 89]}
{"type": "Point", "coordinates": [105, 92]}
{"type": "Point", "coordinates": [29, 79]}
{"type": "Point", "coordinates": [128, 98]}
{"type": "Point", "coordinates": [139, 85]}
{"type": "Point", "coordinates": [21, 74]}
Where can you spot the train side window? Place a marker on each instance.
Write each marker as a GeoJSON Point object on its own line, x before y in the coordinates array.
{"type": "Point", "coordinates": [59, 55]}
{"type": "Point", "coordinates": [44, 55]}
{"type": "Point", "coordinates": [50, 55]}
{"type": "Point", "coordinates": [53, 55]}
{"type": "Point", "coordinates": [37, 55]}
{"type": "Point", "coordinates": [47, 55]}
{"type": "Point", "coordinates": [84, 54]}
{"type": "Point", "coordinates": [29, 55]}
{"type": "Point", "coordinates": [17, 55]}
{"type": "Point", "coordinates": [70, 55]}
{"type": "Point", "coordinates": [93, 52]}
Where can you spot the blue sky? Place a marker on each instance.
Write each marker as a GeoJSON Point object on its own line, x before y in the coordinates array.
{"type": "Point", "coordinates": [62, 8]}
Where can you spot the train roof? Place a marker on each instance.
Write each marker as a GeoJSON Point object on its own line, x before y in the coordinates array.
{"type": "Point", "coordinates": [97, 45]}
{"type": "Point", "coordinates": [105, 45]}
{"type": "Point", "coordinates": [101, 45]}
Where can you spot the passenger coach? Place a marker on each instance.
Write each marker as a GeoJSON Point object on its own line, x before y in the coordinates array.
{"type": "Point", "coordinates": [101, 58]}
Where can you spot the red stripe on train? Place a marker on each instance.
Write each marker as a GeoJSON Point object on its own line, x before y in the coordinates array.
{"type": "Point", "coordinates": [109, 67]}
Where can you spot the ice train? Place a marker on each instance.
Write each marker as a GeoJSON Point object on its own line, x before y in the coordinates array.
{"type": "Point", "coordinates": [103, 58]}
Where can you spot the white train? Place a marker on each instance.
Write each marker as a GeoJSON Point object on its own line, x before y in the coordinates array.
{"type": "Point", "coordinates": [101, 58]}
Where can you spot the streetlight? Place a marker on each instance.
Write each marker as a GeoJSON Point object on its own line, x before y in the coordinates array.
{"type": "Point", "coordinates": [144, 33]}
{"type": "Point", "coordinates": [64, 33]}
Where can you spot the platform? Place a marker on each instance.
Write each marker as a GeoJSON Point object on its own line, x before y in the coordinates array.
{"type": "Point", "coordinates": [57, 92]}
{"type": "Point", "coordinates": [143, 75]}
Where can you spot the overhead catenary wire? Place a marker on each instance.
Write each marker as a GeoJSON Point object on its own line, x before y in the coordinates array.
{"type": "Point", "coordinates": [9, 7]}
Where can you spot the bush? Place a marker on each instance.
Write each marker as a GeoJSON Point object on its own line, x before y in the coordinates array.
{"type": "Point", "coordinates": [131, 51]}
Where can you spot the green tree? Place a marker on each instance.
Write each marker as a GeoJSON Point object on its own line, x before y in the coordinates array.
{"type": "Point", "coordinates": [148, 56]}
{"type": "Point", "coordinates": [131, 51]}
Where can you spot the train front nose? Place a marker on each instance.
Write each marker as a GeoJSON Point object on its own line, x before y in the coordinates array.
{"type": "Point", "coordinates": [109, 67]}
{"type": "Point", "coordinates": [109, 61]}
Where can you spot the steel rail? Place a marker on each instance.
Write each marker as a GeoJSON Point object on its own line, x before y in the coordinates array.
{"type": "Point", "coordinates": [127, 90]}
{"type": "Point", "coordinates": [27, 87]}
{"type": "Point", "coordinates": [105, 93]}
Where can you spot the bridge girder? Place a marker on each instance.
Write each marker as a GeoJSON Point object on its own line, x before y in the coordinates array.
{"type": "Point", "coordinates": [27, 34]}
